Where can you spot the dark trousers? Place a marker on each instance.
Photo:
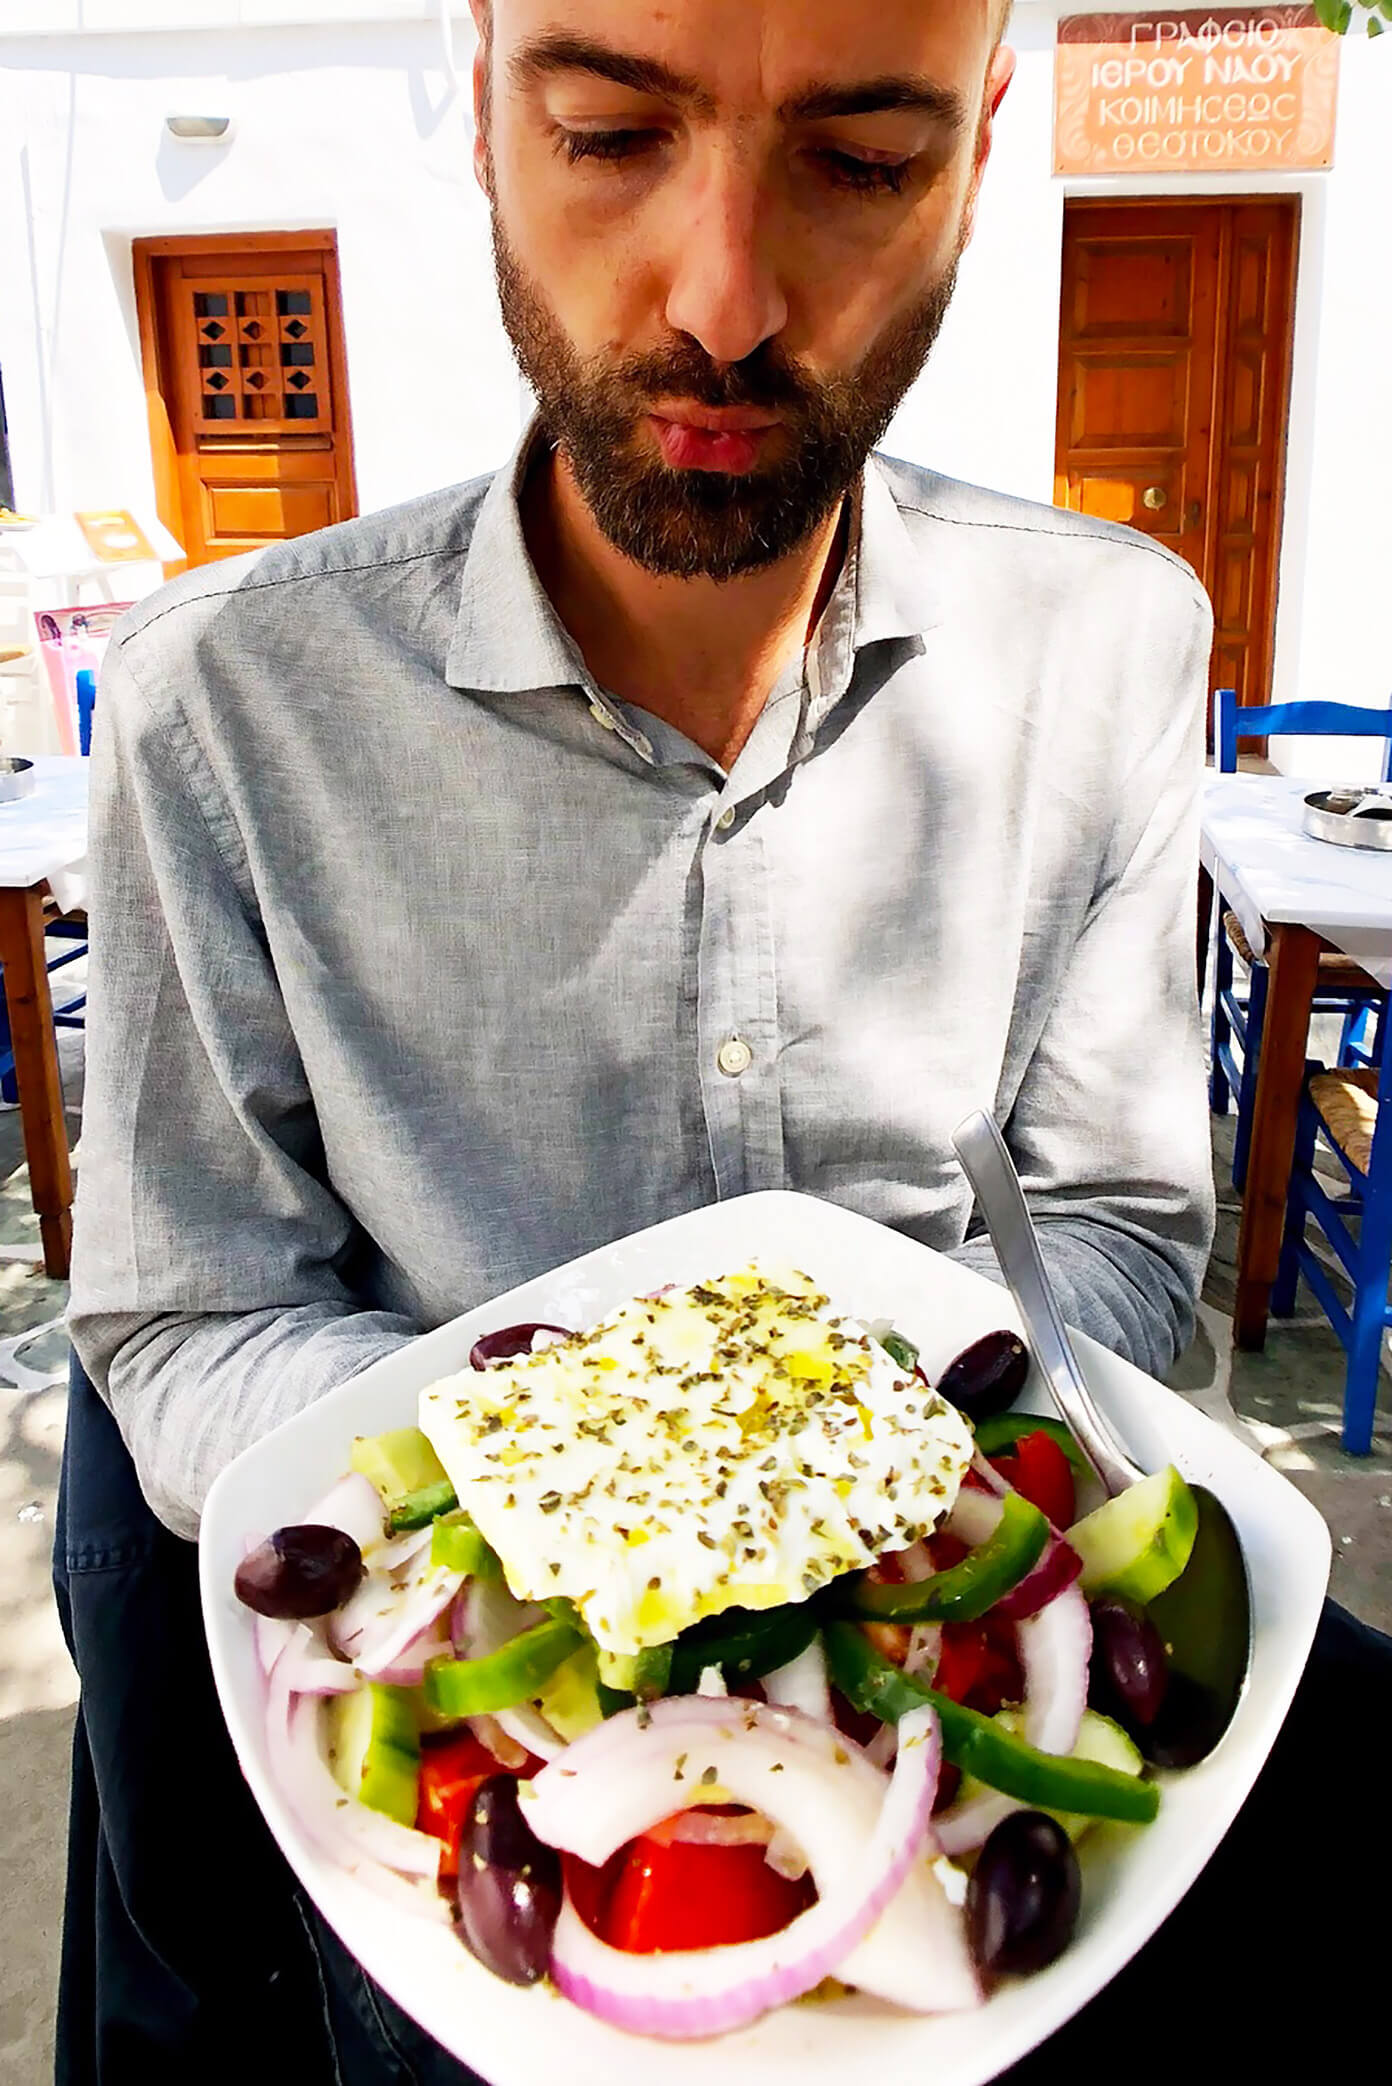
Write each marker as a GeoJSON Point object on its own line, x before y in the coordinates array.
{"type": "Point", "coordinates": [190, 1956]}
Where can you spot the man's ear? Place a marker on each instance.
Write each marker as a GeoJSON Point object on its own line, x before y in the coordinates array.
{"type": "Point", "coordinates": [999, 75]}
{"type": "Point", "coordinates": [482, 13]}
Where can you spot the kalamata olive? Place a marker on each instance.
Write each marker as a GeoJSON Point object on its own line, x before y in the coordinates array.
{"type": "Point", "coordinates": [987, 1377]}
{"type": "Point", "coordinates": [509, 1889]}
{"type": "Point", "coordinates": [1024, 1894]}
{"type": "Point", "coordinates": [300, 1572]}
{"type": "Point", "coordinates": [1130, 1672]}
{"type": "Point", "coordinates": [509, 1340]}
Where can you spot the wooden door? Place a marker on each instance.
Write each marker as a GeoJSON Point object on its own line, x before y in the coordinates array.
{"type": "Point", "coordinates": [245, 376]}
{"type": "Point", "coordinates": [1174, 383]}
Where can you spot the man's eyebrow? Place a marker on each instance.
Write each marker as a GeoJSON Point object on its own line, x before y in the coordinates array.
{"type": "Point", "coordinates": [871, 97]}
{"type": "Point", "coordinates": [555, 52]}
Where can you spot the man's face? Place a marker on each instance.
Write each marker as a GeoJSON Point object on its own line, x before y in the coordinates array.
{"type": "Point", "coordinates": [726, 234]}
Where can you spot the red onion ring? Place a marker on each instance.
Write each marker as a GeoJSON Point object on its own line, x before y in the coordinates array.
{"type": "Point", "coordinates": [835, 1795]}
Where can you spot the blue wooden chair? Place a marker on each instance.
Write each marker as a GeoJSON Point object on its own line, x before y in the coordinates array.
{"type": "Point", "coordinates": [68, 932]}
{"type": "Point", "coordinates": [1343, 987]}
{"type": "Point", "coordinates": [1349, 1110]}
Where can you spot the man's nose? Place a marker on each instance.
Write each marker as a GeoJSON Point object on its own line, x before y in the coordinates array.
{"type": "Point", "coordinates": [725, 290]}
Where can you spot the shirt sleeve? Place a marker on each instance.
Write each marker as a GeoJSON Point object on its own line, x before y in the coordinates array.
{"type": "Point", "coordinates": [1109, 1126]}
{"type": "Point", "coordinates": [210, 1299]}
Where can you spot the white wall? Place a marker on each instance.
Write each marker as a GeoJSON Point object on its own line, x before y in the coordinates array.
{"type": "Point", "coordinates": [354, 128]}
{"type": "Point", "coordinates": [985, 407]}
{"type": "Point", "coordinates": [357, 127]}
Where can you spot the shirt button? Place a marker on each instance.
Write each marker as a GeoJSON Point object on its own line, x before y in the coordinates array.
{"type": "Point", "coordinates": [725, 821]}
{"type": "Point", "coordinates": [601, 716]}
{"type": "Point", "coordinates": [734, 1056]}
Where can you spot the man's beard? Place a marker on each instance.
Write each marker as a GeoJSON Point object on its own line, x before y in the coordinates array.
{"type": "Point", "coordinates": [709, 524]}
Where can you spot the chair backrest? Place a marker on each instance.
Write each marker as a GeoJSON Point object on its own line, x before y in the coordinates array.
{"type": "Point", "coordinates": [1311, 720]}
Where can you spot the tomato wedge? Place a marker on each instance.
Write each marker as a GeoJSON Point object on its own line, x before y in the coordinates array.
{"type": "Point", "coordinates": [1039, 1470]}
{"type": "Point", "coordinates": [677, 1894]}
{"type": "Point", "coordinates": [451, 1770]}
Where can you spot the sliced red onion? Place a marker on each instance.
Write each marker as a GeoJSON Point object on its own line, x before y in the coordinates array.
{"type": "Point", "coordinates": [973, 1521]}
{"type": "Point", "coordinates": [925, 1650]}
{"type": "Point", "coordinates": [490, 1733]}
{"type": "Point", "coordinates": [392, 1609]}
{"type": "Point", "coordinates": [510, 1341]}
{"type": "Point", "coordinates": [802, 1683]}
{"type": "Point", "coordinates": [353, 1505]}
{"type": "Point", "coordinates": [1055, 1647]}
{"type": "Point", "coordinates": [883, 1746]}
{"type": "Point", "coordinates": [697, 1828]}
{"type": "Point", "coordinates": [300, 1658]}
{"type": "Point", "coordinates": [712, 1685]}
{"type": "Point", "coordinates": [527, 1727]}
{"type": "Point", "coordinates": [785, 1856]}
{"type": "Point", "coordinates": [1058, 1568]}
{"type": "Point", "coordinates": [407, 1669]}
{"type": "Point", "coordinates": [862, 1840]}
{"type": "Point", "coordinates": [346, 1831]}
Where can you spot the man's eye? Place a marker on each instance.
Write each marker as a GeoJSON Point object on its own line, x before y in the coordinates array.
{"type": "Point", "coordinates": [606, 144]}
{"type": "Point", "coordinates": [865, 177]}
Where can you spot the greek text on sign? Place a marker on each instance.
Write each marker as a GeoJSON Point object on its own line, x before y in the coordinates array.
{"type": "Point", "coordinates": [1234, 89]}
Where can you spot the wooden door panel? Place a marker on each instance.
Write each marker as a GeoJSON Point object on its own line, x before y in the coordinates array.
{"type": "Point", "coordinates": [1130, 402]}
{"type": "Point", "coordinates": [1126, 286]}
{"type": "Point", "coordinates": [1173, 379]}
{"type": "Point", "coordinates": [247, 348]}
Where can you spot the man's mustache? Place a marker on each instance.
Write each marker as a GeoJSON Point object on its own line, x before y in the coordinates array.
{"type": "Point", "coordinates": [764, 379]}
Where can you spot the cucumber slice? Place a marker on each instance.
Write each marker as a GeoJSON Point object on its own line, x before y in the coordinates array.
{"type": "Point", "coordinates": [374, 1748]}
{"type": "Point", "coordinates": [569, 1700]}
{"type": "Point", "coordinates": [1138, 1543]}
{"type": "Point", "coordinates": [457, 1544]}
{"type": "Point", "coordinates": [1099, 1739]}
{"type": "Point", "coordinates": [399, 1464]}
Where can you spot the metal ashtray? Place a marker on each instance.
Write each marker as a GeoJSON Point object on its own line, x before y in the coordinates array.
{"type": "Point", "coordinates": [1350, 817]}
{"type": "Point", "coordinates": [16, 779]}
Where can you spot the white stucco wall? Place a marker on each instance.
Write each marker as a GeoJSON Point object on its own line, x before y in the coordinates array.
{"type": "Point", "coordinates": [354, 124]}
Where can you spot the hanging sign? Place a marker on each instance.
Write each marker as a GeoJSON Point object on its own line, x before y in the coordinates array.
{"type": "Point", "coordinates": [1232, 90]}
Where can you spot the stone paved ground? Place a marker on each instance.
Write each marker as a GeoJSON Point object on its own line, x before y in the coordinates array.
{"type": "Point", "coordinates": [1285, 1402]}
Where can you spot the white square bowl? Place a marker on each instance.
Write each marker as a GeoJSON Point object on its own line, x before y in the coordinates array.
{"type": "Point", "coordinates": [1132, 1879]}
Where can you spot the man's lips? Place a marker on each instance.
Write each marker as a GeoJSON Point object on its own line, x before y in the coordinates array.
{"type": "Point", "coordinates": [712, 438]}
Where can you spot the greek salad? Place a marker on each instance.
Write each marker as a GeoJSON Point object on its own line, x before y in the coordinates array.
{"type": "Point", "coordinates": [711, 1658]}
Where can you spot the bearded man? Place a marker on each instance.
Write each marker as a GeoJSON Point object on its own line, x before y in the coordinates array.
{"type": "Point", "coordinates": [701, 804]}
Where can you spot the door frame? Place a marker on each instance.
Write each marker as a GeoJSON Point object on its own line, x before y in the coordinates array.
{"type": "Point", "coordinates": [1292, 201]}
{"type": "Point", "coordinates": [144, 254]}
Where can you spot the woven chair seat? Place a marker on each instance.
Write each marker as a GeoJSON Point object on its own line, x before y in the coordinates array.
{"type": "Point", "coordinates": [1348, 1103]}
{"type": "Point", "coordinates": [1336, 971]}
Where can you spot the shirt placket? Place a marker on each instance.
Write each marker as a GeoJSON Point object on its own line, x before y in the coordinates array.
{"type": "Point", "coordinates": [737, 982]}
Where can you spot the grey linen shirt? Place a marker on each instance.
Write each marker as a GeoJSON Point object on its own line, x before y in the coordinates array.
{"type": "Point", "coordinates": [421, 964]}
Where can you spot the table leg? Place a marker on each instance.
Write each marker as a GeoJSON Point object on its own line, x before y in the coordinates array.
{"type": "Point", "coordinates": [1204, 923]}
{"type": "Point", "coordinates": [36, 1072]}
{"type": "Point", "coordinates": [1292, 958]}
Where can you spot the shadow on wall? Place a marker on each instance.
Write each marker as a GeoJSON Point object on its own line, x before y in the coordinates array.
{"type": "Point", "coordinates": [180, 166]}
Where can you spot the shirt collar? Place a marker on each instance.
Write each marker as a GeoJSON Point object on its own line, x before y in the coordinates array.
{"type": "Point", "coordinates": [508, 638]}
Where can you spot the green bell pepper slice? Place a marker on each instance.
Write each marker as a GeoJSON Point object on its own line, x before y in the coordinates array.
{"type": "Point", "coordinates": [457, 1544]}
{"type": "Point", "coordinates": [965, 1590]}
{"type": "Point", "coordinates": [998, 1436]}
{"type": "Point", "coordinates": [503, 1678]}
{"type": "Point", "coordinates": [652, 1675]}
{"type": "Point", "coordinates": [745, 1643]}
{"type": "Point", "coordinates": [900, 1350]}
{"type": "Point", "coordinates": [978, 1745]}
{"type": "Point", "coordinates": [419, 1509]}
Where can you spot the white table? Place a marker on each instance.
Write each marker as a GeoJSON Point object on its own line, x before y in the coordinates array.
{"type": "Point", "coordinates": [1294, 896]}
{"type": "Point", "coordinates": [53, 548]}
{"type": "Point", "coordinates": [43, 849]}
